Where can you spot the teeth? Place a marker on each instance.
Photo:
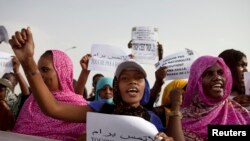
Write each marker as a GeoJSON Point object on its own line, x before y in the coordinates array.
{"type": "Point", "coordinates": [217, 85]}
{"type": "Point", "coordinates": [132, 90]}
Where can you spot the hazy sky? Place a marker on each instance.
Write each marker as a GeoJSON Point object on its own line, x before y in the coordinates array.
{"type": "Point", "coordinates": [205, 26]}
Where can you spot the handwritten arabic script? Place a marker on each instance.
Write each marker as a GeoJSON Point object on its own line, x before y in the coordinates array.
{"type": "Point", "coordinates": [106, 57]}
{"type": "Point", "coordinates": [105, 127]}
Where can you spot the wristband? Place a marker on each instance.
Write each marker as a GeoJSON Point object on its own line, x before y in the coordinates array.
{"type": "Point", "coordinates": [174, 113]}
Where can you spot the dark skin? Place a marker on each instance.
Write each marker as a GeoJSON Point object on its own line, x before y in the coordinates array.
{"type": "Point", "coordinates": [23, 46]}
{"type": "Point", "coordinates": [6, 116]}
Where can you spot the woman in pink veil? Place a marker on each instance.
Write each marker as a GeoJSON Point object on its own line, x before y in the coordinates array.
{"type": "Point", "coordinates": [56, 69]}
{"type": "Point", "coordinates": [206, 100]}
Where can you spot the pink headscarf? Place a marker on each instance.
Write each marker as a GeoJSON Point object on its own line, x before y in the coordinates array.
{"type": "Point", "coordinates": [33, 121]}
{"type": "Point", "coordinates": [199, 110]}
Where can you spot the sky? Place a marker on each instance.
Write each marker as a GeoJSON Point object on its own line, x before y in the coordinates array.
{"type": "Point", "coordinates": [206, 26]}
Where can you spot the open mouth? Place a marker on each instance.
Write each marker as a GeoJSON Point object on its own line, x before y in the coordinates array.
{"type": "Point", "coordinates": [132, 91]}
{"type": "Point", "coordinates": [218, 87]}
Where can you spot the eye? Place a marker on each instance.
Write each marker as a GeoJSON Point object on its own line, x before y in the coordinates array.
{"type": "Point", "coordinates": [44, 69]}
{"type": "Point", "coordinates": [220, 72]}
{"type": "Point", "coordinates": [123, 78]}
{"type": "Point", "coordinates": [139, 76]}
{"type": "Point", "coordinates": [208, 74]}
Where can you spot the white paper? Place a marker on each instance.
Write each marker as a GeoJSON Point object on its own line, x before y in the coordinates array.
{"type": "Point", "coordinates": [118, 128]}
{"type": "Point", "coordinates": [5, 62]}
{"type": "Point", "coordinates": [145, 51]}
{"type": "Point", "coordinates": [11, 136]}
{"type": "Point", "coordinates": [178, 64]}
{"type": "Point", "coordinates": [145, 33]}
{"type": "Point", "coordinates": [106, 57]}
{"type": "Point", "coordinates": [247, 82]}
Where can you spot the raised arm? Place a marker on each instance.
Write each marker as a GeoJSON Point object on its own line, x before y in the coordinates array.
{"type": "Point", "coordinates": [174, 128]}
{"type": "Point", "coordinates": [156, 89]}
{"type": "Point", "coordinates": [23, 46]}
{"type": "Point", "coordinates": [22, 83]}
{"type": "Point", "coordinates": [82, 79]}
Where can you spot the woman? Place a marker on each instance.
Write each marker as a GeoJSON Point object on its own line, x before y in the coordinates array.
{"type": "Point", "coordinates": [206, 99]}
{"type": "Point", "coordinates": [58, 77]}
{"type": "Point", "coordinates": [237, 63]}
{"type": "Point", "coordinates": [130, 88]}
{"type": "Point", "coordinates": [104, 90]}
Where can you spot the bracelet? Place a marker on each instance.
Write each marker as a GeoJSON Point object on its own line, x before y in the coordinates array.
{"type": "Point", "coordinates": [33, 73]}
{"type": "Point", "coordinates": [175, 113]}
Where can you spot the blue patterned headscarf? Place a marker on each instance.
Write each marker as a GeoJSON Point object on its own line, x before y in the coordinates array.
{"type": "Point", "coordinates": [100, 84]}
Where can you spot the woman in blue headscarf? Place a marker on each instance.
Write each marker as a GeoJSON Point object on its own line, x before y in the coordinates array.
{"type": "Point", "coordinates": [104, 90]}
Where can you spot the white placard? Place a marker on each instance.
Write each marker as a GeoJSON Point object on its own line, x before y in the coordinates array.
{"type": "Point", "coordinates": [5, 62]}
{"type": "Point", "coordinates": [106, 127]}
{"type": "Point", "coordinates": [247, 82]}
{"type": "Point", "coordinates": [11, 136]}
{"type": "Point", "coordinates": [145, 33]}
{"type": "Point", "coordinates": [178, 64]}
{"type": "Point", "coordinates": [145, 51]}
{"type": "Point", "coordinates": [106, 57]}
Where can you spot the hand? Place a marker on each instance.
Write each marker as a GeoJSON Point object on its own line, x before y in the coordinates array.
{"type": "Point", "coordinates": [23, 45]}
{"type": "Point", "coordinates": [161, 73]}
{"type": "Point", "coordinates": [175, 98]}
{"type": "Point", "coordinates": [85, 61]}
{"type": "Point", "coordinates": [161, 136]}
{"type": "Point", "coordinates": [130, 44]}
{"type": "Point", "coordinates": [16, 64]}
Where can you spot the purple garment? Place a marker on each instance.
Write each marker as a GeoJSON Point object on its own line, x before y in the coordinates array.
{"type": "Point", "coordinates": [200, 110]}
{"type": "Point", "coordinates": [33, 121]}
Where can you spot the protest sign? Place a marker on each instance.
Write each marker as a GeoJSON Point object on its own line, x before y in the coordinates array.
{"type": "Point", "coordinates": [178, 64]}
{"type": "Point", "coordinates": [144, 44]}
{"type": "Point", "coordinates": [108, 127]}
{"type": "Point", "coordinates": [5, 62]}
{"type": "Point", "coordinates": [145, 33]}
{"type": "Point", "coordinates": [247, 82]}
{"type": "Point", "coordinates": [145, 52]}
{"type": "Point", "coordinates": [106, 57]}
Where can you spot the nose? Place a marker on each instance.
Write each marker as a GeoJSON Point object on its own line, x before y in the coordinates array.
{"type": "Point", "coordinates": [217, 76]}
{"type": "Point", "coordinates": [132, 81]}
{"type": "Point", "coordinates": [108, 90]}
{"type": "Point", "coordinates": [245, 69]}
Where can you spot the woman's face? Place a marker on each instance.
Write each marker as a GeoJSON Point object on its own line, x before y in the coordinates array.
{"type": "Point", "coordinates": [48, 72]}
{"type": "Point", "coordinates": [241, 68]}
{"type": "Point", "coordinates": [131, 85]}
{"type": "Point", "coordinates": [213, 81]}
{"type": "Point", "coordinates": [106, 92]}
